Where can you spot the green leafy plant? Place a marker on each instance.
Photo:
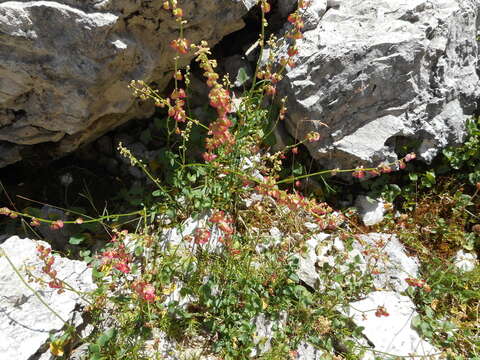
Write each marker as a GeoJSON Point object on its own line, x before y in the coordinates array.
{"type": "Point", "coordinates": [199, 263]}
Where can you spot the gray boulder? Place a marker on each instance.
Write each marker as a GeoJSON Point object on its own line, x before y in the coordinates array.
{"type": "Point", "coordinates": [65, 65]}
{"type": "Point", "coordinates": [372, 76]}
{"type": "Point", "coordinates": [370, 210]}
{"type": "Point", "coordinates": [25, 322]}
{"type": "Point", "coordinates": [465, 261]}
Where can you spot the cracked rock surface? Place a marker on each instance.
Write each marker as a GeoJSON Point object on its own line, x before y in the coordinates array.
{"type": "Point", "coordinates": [65, 65]}
{"type": "Point", "coordinates": [26, 323]}
{"type": "Point", "coordinates": [393, 334]}
{"type": "Point", "coordinates": [372, 76]}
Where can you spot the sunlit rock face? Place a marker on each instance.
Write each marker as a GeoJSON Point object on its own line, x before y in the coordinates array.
{"type": "Point", "coordinates": [65, 65]}
{"type": "Point", "coordinates": [373, 76]}
{"type": "Point", "coordinates": [26, 316]}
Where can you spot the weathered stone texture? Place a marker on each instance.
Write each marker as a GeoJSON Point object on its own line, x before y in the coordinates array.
{"type": "Point", "coordinates": [375, 74]}
{"type": "Point", "coordinates": [65, 65]}
{"type": "Point", "coordinates": [25, 322]}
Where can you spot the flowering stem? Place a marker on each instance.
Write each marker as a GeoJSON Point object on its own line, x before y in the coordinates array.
{"type": "Point", "coordinates": [99, 219]}
{"type": "Point", "coordinates": [261, 44]}
{"type": "Point", "coordinates": [66, 287]}
{"type": "Point", "coordinates": [429, 356]}
{"type": "Point", "coordinates": [32, 289]}
{"type": "Point", "coordinates": [292, 179]}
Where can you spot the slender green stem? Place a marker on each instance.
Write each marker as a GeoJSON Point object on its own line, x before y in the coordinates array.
{"type": "Point", "coordinates": [4, 253]}
{"type": "Point", "coordinates": [413, 356]}
{"type": "Point", "coordinates": [261, 43]}
{"type": "Point", "coordinates": [101, 218]}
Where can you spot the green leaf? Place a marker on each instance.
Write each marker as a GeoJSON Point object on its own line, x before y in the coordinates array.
{"type": "Point", "coordinates": [97, 274]}
{"type": "Point", "coordinates": [429, 179]}
{"type": "Point", "coordinates": [413, 176]}
{"type": "Point", "coordinates": [157, 193]}
{"type": "Point", "coordinates": [416, 321]}
{"type": "Point", "coordinates": [84, 253]}
{"type": "Point", "coordinates": [102, 340]}
{"type": "Point", "coordinates": [191, 177]}
{"type": "Point", "coordinates": [242, 77]}
{"type": "Point", "coordinates": [77, 239]}
{"type": "Point", "coordinates": [294, 278]}
{"type": "Point", "coordinates": [106, 337]}
{"type": "Point", "coordinates": [139, 250]}
{"type": "Point", "coordinates": [94, 348]}
{"type": "Point", "coordinates": [170, 213]}
{"type": "Point", "coordinates": [298, 169]}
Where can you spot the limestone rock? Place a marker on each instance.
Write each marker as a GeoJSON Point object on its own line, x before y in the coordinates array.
{"type": "Point", "coordinates": [307, 271]}
{"type": "Point", "coordinates": [26, 323]}
{"type": "Point", "coordinates": [392, 334]}
{"type": "Point", "coordinates": [382, 255]}
{"type": "Point", "coordinates": [388, 260]}
{"type": "Point", "coordinates": [163, 347]}
{"type": "Point", "coordinates": [306, 351]}
{"type": "Point", "coordinates": [370, 210]}
{"type": "Point", "coordinates": [65, 65]}
{"type": "Point", "coordinates": [465, 261]}
{"type": "Point", "coordinates": [312, 14]}
{"type": "Point", "coordinates": [182, 236]}
{"type": "Point", "coordinates": [372, 76]}
{"type": "Point", "coordinates": [264, 332]}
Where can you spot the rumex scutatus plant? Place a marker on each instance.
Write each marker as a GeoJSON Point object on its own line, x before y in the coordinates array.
{"type": "Point", "coordinates": [218, 276]}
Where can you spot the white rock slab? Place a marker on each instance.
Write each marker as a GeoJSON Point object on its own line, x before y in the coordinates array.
{"type": "Point", "coordinates": [265, 329]}
{"type": "Point", "coordinates": [163, 347]}
{"type": "Point", "coordinates": [307, 271]}
{"type": "Point", "coordinates": [371, 73]}
{"type": "Point", "coordinates": [370, 210]}
{"type": "Point", "coordinates": [179, 236]}
{"type": "Point", "coordinates": [391, 334]}
{"type": "Point", "coordinates": [387, 256]}
{"type": "Point", "coordinates": [382, 255]}
{"type": "Point", "coordinates": [306, 351]}
{"type": "Point", "coordinates": [25, 323]}
{"type": "Point", "coordinates": [465, 261]}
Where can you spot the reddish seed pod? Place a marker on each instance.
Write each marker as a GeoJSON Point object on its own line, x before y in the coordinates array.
{"type": "Point", "coordinates": [5, 211]}
{"type": "Point", "coordinates": [265, 7]}
{"type": "Point", "coordinates": [178, 13]}
{"type": "Point", "coordinates": [201, 236]}
{"type": "Point", "coordinates": [303, 4]}
{"type": "Point", "coordinates": [178, 75]}
{"type": "Point", "coordinates": [292, 51]}
{"type": "Point", "coordinates": [381, 311]}
{"type": "Point", "coordinates": [476, 228]}
{"type": "Point", "coordinates": [410, 157]}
